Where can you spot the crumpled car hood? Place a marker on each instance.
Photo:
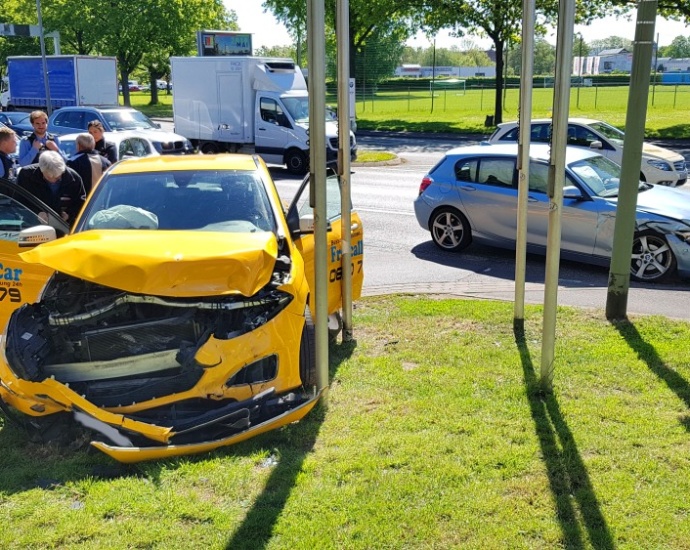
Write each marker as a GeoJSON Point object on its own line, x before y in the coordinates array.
{"type": "Point", "coordinates": [665, 201]}
{"type": "Point", "coordinates": [179, 263]}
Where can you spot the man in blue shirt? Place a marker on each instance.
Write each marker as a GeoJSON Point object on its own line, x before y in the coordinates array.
{"type": "Point", "coordinates": [31, 146]}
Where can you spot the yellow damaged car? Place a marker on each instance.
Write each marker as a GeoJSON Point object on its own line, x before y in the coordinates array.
{"type": "Point", "coordinates": [175, 317]}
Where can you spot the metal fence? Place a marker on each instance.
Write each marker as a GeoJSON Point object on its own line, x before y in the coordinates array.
{"type": "Point", "coordinates": [465, 97]}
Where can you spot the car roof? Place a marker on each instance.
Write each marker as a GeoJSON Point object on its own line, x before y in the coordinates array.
{"type": "Point", "coordinates": [168, 163]}
{"type": "Point", "coordinates": [537, 151]}
{"type": "Point", "coordinates": [115, 137]}
{"type": "Point", "coordinates": [579, 120]}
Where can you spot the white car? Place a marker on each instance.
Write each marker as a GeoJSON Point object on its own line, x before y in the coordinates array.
{"type": "Point", "coordinates": [128, 144]}
{"type": "Point", "coordinates": [659, 165]}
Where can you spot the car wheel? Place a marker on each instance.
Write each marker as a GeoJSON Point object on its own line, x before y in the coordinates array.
{"type": "Point", "coordinates": [307, 352]}
{"type": "Point", "coordinates": [450, 229]}
{"type": "Point", "coordinates": [296, 162]}
{"type": "Point", "coordinates": [652, 258]}
{"type": "Point", "coordinates": [209, 148]}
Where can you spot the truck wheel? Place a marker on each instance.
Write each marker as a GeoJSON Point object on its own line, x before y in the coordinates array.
{"type": "Point", "coordinates": [209, 148]}
{"type": "Point", "coordinates": [296, 162]}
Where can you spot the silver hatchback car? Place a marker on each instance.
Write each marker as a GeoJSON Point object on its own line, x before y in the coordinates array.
{"type": "Point", "coordinates": [472, 194]}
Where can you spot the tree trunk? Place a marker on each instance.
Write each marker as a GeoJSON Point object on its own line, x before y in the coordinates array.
{"type": "Point", "coordinates": [498, 104]}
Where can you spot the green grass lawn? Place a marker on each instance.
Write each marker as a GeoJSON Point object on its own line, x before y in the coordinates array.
{"type": "Point", "coordinates": [436, 435]}
{"type": "Point", "coordinates": [465, 111]}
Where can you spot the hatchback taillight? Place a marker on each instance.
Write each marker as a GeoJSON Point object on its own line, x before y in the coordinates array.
{"type": "Point", "coordinates": [426, 182]}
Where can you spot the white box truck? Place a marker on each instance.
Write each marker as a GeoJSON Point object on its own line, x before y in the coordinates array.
{"type": "Point", "coordinates": [248, 105]}
{"type": "Point", "coordinates": [75, 80]}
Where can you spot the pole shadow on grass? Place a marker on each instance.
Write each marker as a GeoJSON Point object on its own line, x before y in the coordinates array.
{"type": "Point", "coordinates": [296, 442]}
{"type": "Point", "coordinates": [647, 353]}
{"type": "Point", "coordinates": [576, 501]}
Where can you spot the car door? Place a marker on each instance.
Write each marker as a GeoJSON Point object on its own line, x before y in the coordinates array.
{"type": "Point", "coordinates": [271, 132]}
{"type": "Point", "coordinates": [20, 282]}
{"type": "Point", "coordinates": [579, 217]}
{"type": "Point", "coordinates": [305, 241]}
{"type": "Point", "coordinates": [488, 192]}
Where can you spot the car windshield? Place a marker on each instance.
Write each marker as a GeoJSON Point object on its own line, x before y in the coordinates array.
{"type": "Point", "coordinates": [207, 200]}
{"type": "Point", "coordinates": [601, 176]}
{"type": "Point", "coordinates": [612, 133]}
{"type": "Point", "coordinates": [128, 120]}
{"type": "Point", "coordinates": [298, 107]}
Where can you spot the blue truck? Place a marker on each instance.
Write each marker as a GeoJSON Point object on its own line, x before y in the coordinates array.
{"type": "Point", "coordinates": [74, 80]}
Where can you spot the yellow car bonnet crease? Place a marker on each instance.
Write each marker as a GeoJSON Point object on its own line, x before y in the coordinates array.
{"type": "Point", "coordinates": [146, 262]}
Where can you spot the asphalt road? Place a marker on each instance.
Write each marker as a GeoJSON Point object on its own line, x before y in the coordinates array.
{"type": "Point", "coordinates": [400, 256]}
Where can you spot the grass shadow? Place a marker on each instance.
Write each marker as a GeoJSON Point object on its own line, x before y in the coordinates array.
{"type": "Point", "coordinates": [294, 445]}
{"type": "Point", "coordinates": [575, 499]}
{"type": "Point", "coordinates": [647, 353]}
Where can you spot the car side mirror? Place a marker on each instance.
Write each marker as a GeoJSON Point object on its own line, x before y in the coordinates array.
{"type": "Point", "coordinates": [572, 192]}
{"type": "Point", "coordinates": [306, 224]}
{"type": "Point", "coordinates": [33, 236]}
{"type": "Point", "coordinates": [596, 145]}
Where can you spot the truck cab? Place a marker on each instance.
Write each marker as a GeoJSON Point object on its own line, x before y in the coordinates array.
{"type": "Point", "coordinates": [248, 105]}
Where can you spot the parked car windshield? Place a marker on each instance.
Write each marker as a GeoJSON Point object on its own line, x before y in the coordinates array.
{"type": "Point", "coordinates": [128, 120]}
{"type": "Point", "coordinates": [601, 175]}
{"type": "Point", "coordinates": [206, 200]}
{"type": "Point", "coordinates": [611, 132]}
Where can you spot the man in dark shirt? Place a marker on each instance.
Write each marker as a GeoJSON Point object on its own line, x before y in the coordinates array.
{"type": "Point", "coordinates": [53, 183]}
{"type": "Point", "coordinates": [105, 148]}
{"type": "Point", "coordinates": [8, 145]}
{"type": "Point", "coordinates": [87, 162]}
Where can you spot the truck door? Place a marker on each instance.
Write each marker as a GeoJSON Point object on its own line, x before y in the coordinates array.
{"type": "Point", "coordinates": [230, 116]}
{"type": "Point", "coordinates": [305, 241]}
{"type": "Point", "coordinates": [272, 126]}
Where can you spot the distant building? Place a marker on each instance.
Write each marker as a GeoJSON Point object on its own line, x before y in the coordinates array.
{"type": "Point", "coordinates": [673, 64]}
{"type": "Point", "coordinates": [419, 71]}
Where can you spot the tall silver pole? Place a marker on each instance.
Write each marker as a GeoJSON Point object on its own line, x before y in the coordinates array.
{"type": "Point", "coordinates": [525, 118]}
{"type": "Point", "coordinates": [49, 106]}
{"type": "Point", "coordinates": [619, 273]}
{"type": "Point", "coordinates": [316, 41]}
{"type": "Point", "coordinates": [561, 106]}
{"type": "Point", "coordinates": [344, 167]}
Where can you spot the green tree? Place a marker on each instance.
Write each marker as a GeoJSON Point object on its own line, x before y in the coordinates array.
{"type": "Point", "coordinates": [367, 18]}
{"type": "Point", "coordinates": [679, 47]}
{"type": "Point", "coordinates": [179, 22]}
{"type": "Point", "coordinates": [277, 51]}
{"type": "Point", "coordinates": [611, 43]}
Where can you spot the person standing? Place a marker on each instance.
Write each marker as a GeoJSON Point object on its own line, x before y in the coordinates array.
{"type": "Point", "coordinates": [31, 146]}
{"type": "Point", "coordinates": [8, 145]}
{"type": "Point", "coordinates": [87, 162]}
{"type": "Point", "coordinates": [55, 184]}
{"type": "Point", "coordinates": [105, 148]}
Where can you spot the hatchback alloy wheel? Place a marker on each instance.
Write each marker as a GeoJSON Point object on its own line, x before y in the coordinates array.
{"type": "Point", "coordinates": [450, 230]}
{"type": "Point", "coordinates": [652, 258]}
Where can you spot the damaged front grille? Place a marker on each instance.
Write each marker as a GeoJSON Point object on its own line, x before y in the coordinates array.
{"type": "Point", "coordinates": [117, 348]}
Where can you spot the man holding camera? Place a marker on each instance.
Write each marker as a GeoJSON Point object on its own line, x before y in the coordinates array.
{"type": "Point", "coordinates": [31, 146]}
